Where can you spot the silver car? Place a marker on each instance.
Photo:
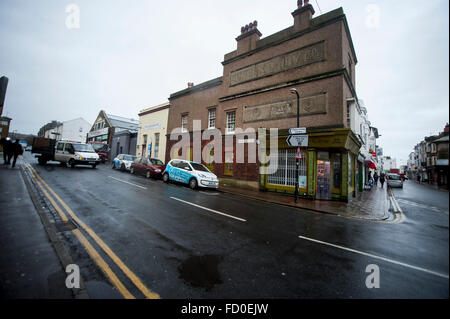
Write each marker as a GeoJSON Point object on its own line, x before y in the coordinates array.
{"type": "Point", "coordinates": [394, 180]}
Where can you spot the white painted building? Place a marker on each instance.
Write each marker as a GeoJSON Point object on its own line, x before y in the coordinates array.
{"type": "Point", "coordinates": [73, 130]}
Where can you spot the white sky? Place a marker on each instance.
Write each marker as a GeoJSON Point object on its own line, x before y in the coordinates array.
{"type": "Point", "coordinates": [129, 55]}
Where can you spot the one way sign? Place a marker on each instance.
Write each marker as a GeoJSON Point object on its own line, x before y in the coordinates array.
{"type": "Point", "coordinates": [297, 140]}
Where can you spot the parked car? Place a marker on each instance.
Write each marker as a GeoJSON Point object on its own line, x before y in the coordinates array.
{"type": "Point", "coordinates": [394, 180]}
{"type": "Point", "coordinates": [123, 162]}
{"type": "Point", "coordinates": [149, 167]}
{"type": "Point", "coordinates": [191, 173]}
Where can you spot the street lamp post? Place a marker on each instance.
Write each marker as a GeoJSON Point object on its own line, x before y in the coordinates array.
{"type": "Point", "coordinates": [294, 91]}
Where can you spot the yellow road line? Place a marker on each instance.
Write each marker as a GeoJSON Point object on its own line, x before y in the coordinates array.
{"type": "Point", "coordinates": [136, 281]}
{"type": "Point", "coordinates": [57, 208]}
{"type": "Point", "coordinates": [103, 265]}
{"type": "Point", "coordinates": [91, 251]}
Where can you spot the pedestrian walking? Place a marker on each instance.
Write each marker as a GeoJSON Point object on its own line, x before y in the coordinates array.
{"type": "Point", "coordinates": [382, 179]}
{"type": "Point", "coordinates": [375, 178]}
{"type": "Point", "coordinates": [16, 151]}
{"type": "Point", "coordinates": [7, 150]}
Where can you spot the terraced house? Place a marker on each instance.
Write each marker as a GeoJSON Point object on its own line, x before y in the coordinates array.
{"type": "Point", "coordinates": [316, 57]}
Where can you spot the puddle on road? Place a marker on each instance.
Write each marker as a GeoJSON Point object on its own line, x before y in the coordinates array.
{"type": "Point", "coordinates": [201, 271]}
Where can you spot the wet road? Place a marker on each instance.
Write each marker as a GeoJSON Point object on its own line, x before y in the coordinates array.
{"type": "Point", "coordinates": [205, 244]}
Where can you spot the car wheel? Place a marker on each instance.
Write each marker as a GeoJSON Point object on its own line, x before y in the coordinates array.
{"type": "Point", "coordinates": [166, 178]}
{"type": "Point", "coordinates": [94, 165]}
{"type": "Point", "coordinates": [122, 167]}
{"type": "Point", "coordinates": [148, 175]}
{"type": "Point", "coordinates": [72, 163]}
{"type": "Point", "coordinates": [131, 170]}
{"type": "Point", "coordinates": [193, 183]}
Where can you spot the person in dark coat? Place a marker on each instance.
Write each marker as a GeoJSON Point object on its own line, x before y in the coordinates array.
{"type": "Point", "coordinates": [382, 179]}
{"type": "Point", "coordinates": [16, 151]}
{"type": "Point", "coordinates": [7, 147]}
{"type": "Point", "coordinates": [375, 178]}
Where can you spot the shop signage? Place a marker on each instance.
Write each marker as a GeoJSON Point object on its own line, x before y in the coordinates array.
{"type": "Point", "coordinates": [298, 140]}
{"type": "Point", "coordinates": [102, 131]}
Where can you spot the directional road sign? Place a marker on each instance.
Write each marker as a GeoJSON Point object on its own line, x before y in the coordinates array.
{"type": "Point", "coordinates": [297, 130]}
{"type": "Point", "coordinates": [298, 140]}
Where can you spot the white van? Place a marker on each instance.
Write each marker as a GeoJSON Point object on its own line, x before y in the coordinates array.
{"type": "Point", "coordinates": [74, 153]}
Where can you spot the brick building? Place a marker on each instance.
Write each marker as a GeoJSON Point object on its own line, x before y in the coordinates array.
{"type": "Point", "coordinates": [317, 58]}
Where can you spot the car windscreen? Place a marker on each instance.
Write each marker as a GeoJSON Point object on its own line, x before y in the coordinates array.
{"type": "Point", "coordinates": [129, 158]}
{"type": "Point", "coordinates": [155, 162]}
{"type": "Point", "coordinates": [83, 148]}
{"type": "Point", "coordinates": [199, 167]}
{"type": "Point", "coordinates": [394, 177]}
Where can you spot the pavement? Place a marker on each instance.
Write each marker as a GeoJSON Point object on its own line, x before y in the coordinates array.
{"type": "Point", "coordinates": [29, 265]}
{"type": "Point", "coordinates": [180, 243]}
{"type": "Point", "coordinates": [368, 205]}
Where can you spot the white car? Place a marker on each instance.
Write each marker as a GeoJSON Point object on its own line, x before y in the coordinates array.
{"type": "Point", "coordinates": [191, 173]}
{"type": "Point", "coordinates": [394, 180]}
{"type": "Point", "coordinates": [123, 162]}
{"type": "Point", "coordinates": [74, 153]}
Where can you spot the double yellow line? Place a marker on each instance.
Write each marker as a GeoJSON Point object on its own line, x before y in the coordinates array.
{"type": "Point", "coordinates": [101, 263]}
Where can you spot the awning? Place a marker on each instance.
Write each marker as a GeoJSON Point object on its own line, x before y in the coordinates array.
{"type": "Point", "coordinates": [372, 165]}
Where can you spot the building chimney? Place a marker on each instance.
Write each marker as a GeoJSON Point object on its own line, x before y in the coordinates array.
{"type": "Point", "coordinates": [246, 41]}
{"type": "Point", "coordinates": [446, 128]}
{"type": "Point", "coordinates": [190, 84]}
{"type": "Point", "coordinates": [302, 15]}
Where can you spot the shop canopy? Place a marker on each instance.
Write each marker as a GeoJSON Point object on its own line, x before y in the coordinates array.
{"type": "Point", "coordinates": [372, 165]}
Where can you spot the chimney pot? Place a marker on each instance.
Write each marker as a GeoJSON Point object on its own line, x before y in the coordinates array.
{"type": "Point", "coordinates": [299, 3]}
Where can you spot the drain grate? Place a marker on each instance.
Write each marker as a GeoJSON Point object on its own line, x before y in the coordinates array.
{"type": "Point", "coordinates": [62, 226]}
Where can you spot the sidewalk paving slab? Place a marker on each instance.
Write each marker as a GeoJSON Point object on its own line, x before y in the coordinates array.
{"type": "Point", "coordinates": [368, 205]}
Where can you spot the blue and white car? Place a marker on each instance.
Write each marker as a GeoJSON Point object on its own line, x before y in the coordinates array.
{"type": "Point", "coordinates": [191, 173]}
{"type": "Point", "coordinates": [123, 162]}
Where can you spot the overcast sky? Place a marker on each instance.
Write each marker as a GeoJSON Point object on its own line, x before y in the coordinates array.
{"type": "Point", "coordinates": [130, 55]}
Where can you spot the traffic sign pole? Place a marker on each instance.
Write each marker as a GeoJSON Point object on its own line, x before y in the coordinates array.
{"type": "Point", "coordinates": [293, 90]}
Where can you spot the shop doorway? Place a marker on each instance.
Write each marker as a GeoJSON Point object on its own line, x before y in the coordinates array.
{"type": "Point", "coordinates": [323, 180]}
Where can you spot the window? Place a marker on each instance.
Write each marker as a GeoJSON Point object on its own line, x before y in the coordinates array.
{"type": "Point", "coordinates": [156, 151]}
{"type": "Point", "coordinates": [287, 163]}
{"type": "Point", "coordinates": [155, 162]}
{"type": "Point", "coordinates": [184, 120]}
{"type": "Point", "coordinates": [231, 122]}
{"type": "Point", "coordinates": [211, 118]}
{"type": "Point", "coordinates": [60, 146]}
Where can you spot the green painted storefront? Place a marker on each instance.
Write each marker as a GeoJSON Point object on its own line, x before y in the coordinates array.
{"type": "Point", "coordinates": [328, 166]}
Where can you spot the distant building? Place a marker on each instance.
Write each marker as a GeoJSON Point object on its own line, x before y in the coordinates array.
{"type": "Point", "coordinates": [105, 128]}
{"type": "Point", "coordinates": [388, 163]}
{"type": "Point", "coordinates": [72, 130]}
{"type": "Point", "coordinates": [152, 131]}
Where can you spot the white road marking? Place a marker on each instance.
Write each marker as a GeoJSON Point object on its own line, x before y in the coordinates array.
{"type": "Point", "coordinates": [128, 182]}
{"type": "Point", "coordinates": [377, 257]}
{"type": "Point", "coordinates": [209, 209]}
